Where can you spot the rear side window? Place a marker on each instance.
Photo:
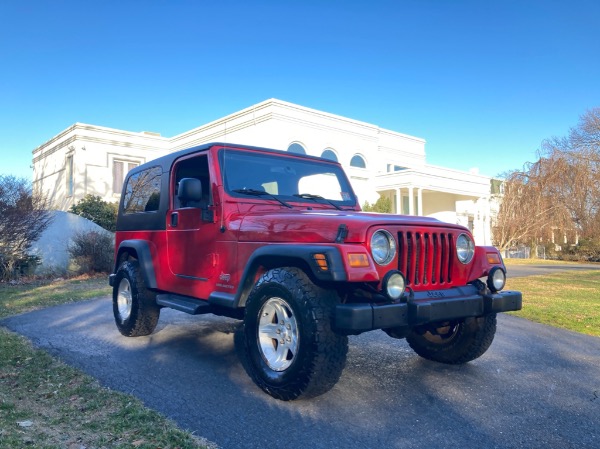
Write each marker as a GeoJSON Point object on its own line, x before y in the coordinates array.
{"type": "Point", "coordinates": [142, 192]}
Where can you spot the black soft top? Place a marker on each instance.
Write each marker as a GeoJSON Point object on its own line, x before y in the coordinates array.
{"type": "Point", "coordinates": [155, 220]}
{"type": "Point", "coordinates": [166, 161]}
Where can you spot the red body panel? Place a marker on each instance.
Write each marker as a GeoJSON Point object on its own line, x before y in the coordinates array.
{"type": "Point", "coordinates": [196, 257]}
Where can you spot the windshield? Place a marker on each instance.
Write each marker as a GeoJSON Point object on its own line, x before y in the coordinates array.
{"type": "Point", "coordinates": [287, 178]}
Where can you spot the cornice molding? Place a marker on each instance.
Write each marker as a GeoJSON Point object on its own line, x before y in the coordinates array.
{"type": "Point", "coordinates": [85, 138]}
{"type": "Point", "coordinates": [325, 127]}
{"type": "Point", "coordinates": [94, 128]}
{"type": "Point", "coordinates": [248, 115]}
{"type": "Point", "coordinates": [340, 118]}
{"type": "Point", "coordinates": [401, 153]}
{"type": "Point", "coordinates": [221, 121]}
{"type": "Point", "coordinates": [219, 133]}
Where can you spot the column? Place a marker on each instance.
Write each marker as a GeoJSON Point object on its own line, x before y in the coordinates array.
{"type": "Point", "coordinates": [411, 201]}
{"type": "Point", "coordinates": [420, 201]}
{"type": "Point", "coordinates": [398, 200]}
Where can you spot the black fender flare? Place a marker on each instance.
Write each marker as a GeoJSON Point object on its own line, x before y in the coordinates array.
{"type": "Point", "coordinates": [144, 257]}
{"type": "Point", "coordinates": [272, 256]}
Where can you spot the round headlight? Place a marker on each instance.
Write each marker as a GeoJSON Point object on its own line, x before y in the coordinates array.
{"type": "Point", "coordinates": [383, 247]}
{"type": "Point", "coordinates": [465, 248]}
{"type": "Point", "coordinates": [496, 279]}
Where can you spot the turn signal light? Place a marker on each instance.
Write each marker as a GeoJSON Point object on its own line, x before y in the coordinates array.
{"type": "Point", "coordinates": [493, 258]}
{"type": "Point", "coordinates": [321, 260]}
{"type": "Point", "coordinates": [358, 260]}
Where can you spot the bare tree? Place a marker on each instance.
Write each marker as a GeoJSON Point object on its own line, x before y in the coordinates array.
{"type": "Point", "coordinates": [560, 191]}
{"type": "Point", "coordinates": [24, 216]}
{"type": "Point", "coordinates": [577, 159]}
{"type": "Point", "coordinates": [527, 210]}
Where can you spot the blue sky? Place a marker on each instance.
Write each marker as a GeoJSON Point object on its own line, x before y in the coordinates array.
{"type": "Point", "coordinates": [483, 82]}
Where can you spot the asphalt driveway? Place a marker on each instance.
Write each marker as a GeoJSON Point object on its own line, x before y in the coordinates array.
{"type": "Point", "coordinates": [513, 271]}
{"type": "Point", "coordinates": [536, 387]}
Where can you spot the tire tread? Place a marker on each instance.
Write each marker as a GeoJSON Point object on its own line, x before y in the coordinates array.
{"type": "Point", "coordinates": [145, 312]}
{"type": "Point", "coordinates": [328, 349]}
{"type": "Point", "coordinates": [473, 339]}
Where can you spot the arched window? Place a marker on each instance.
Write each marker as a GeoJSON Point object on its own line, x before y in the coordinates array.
{"type": "Point", "coordinates": [358, 161]}
{"type": "Point", "coordinates": [296, 148]}
{"type": "Point", "coordinates": [329, 154]}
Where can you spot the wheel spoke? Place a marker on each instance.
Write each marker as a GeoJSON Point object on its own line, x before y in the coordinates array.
{"type": "Point", "coordinates": [124, 300]}
{"type": "Point", "coordinates": [277, 334]}
{"type": "Point", "coordinates": [269, 331]}
{"type": "Point", "coordinates": [281, 313]}
{"type": "Point", "coordinates": [281, 353]}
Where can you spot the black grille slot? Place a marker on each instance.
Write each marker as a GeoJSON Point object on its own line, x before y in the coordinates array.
{"type": "Point", "coordinates": [425, 258]}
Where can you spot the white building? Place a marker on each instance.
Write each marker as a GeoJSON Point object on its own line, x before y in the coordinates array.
{"type": "Point", "coordinates": [88, 159]}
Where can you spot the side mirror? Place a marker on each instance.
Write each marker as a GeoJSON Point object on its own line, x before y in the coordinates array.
{"type": "Point", "coordinates": [190, 189]}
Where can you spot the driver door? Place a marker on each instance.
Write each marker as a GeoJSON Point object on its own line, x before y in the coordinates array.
{"type": "Point", "coordinates": [191, 241]}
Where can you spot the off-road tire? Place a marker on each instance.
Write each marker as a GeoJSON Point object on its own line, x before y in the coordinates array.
{"type": "Point", "coordinates": [134, 306]}
{"type": "Point", "coordinates": [318, 359]}
{"type": "Point", "coordinates": [464, 341]}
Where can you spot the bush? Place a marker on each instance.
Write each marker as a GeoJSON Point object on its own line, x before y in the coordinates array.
{"type": "Point", "coordinates": [12, 268]}
{"type": "Point", "coordinates": [23, 218]}
{"type": "Point", "coordinates": [382, 205]}
{"type": "Point", "coordinates": [93, 208]}
{"type": "Point", "coordinates": [92, 252]}
{"type": "Point", "coordinates": [587, 250]}
{"type": "Point", "coordinates": [551, 252]}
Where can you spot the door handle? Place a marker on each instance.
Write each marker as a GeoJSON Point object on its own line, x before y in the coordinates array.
{"type": "Point", "coordinates": [174, 219]}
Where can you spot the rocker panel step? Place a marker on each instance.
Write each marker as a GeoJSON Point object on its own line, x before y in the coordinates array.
{"type": "Point", "coordinates": [183, 304]}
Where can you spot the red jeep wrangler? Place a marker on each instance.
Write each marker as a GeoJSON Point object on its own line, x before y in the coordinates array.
{"type": "Point", "coordinates": [278, 240]}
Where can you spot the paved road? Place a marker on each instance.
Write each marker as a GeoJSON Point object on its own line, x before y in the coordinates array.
{"type": "Point", "coordinates": [536, 387]}
{"type": "Point", "coordinates": [532, 270]}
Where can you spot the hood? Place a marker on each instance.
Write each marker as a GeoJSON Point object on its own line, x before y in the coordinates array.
{"type": "Point", "coordinates": [321, 226]}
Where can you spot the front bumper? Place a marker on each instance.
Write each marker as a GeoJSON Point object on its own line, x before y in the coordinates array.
{"type": "Point", "coordinates": [425, 307]}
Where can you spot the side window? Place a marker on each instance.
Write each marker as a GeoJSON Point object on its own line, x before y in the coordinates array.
{"type": "Point", "coordinates": [194, 167]}
{"type": "Point", "coordinates": [69, 168]}
{"type": "Point", "coordinates": [142, 192]}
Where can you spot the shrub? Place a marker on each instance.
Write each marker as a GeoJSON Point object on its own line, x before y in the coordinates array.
{"type": "Point", "coordinates": [23, 218]}
{"type": "Point", "coordinates": [92, 252]}
{"type": "Point", "coordinates": [12, 268]}
{"type": "Point", "coordinates": [382, 205]}
{"type": "Point", "coordinates": [93, 208]}
{"type": "Point", "coordinates": [587, 250]}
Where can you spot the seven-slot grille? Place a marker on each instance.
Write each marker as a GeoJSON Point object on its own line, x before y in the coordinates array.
{"type": "Point", "coordinates": [425, 258]}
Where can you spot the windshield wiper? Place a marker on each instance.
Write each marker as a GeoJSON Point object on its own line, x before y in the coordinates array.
{"type": "Point", "coordinates": [255, 192]}
{"type": "Point", "coordinates": [310, 196]}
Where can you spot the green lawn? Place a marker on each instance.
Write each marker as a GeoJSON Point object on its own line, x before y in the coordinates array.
{"type": "Point", "coordinates": [47, 404]}
{"type": "Point", "coordinates": [570, 300]}
{"type": "Point", "coordinates": [33, 295]}
{"type": "Point", "coordinates": [509, 262]}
